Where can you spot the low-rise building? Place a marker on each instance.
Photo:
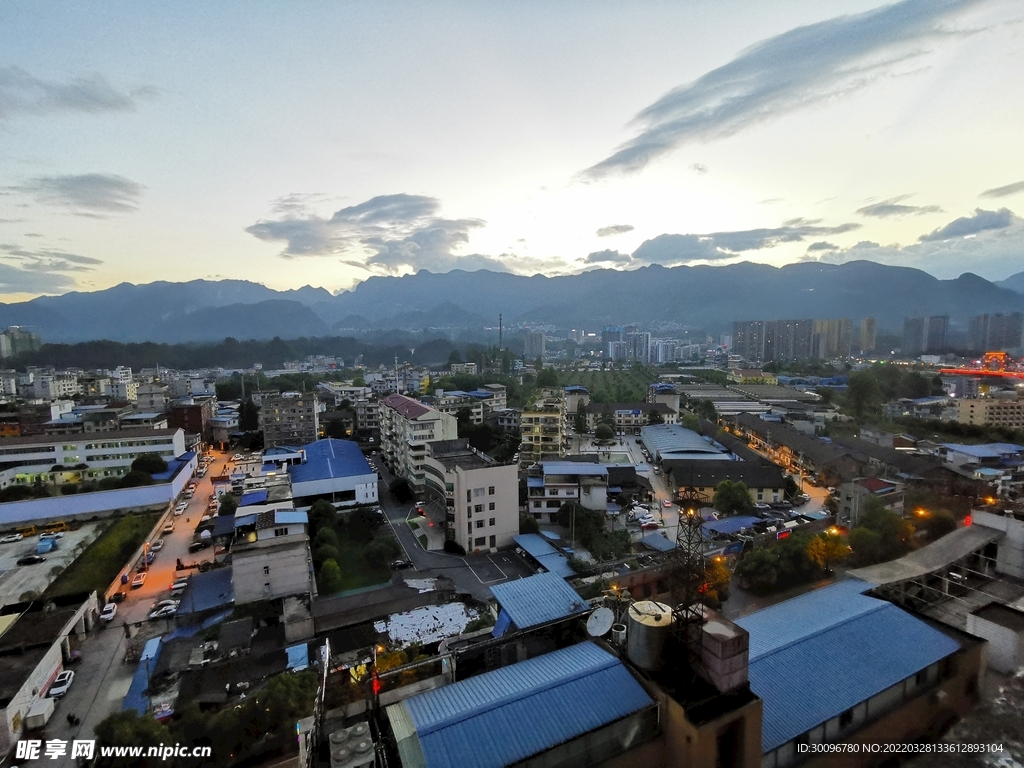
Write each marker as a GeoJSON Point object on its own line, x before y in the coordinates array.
{"type": "Point", "coordinates": [853, 497]}
{"type": "Point", "coordinates": [270, 557]}
{"type": "Point", "coordinates": [335, 470]}
{"type": "Point", "coordinates": [765, 483]}
{"type": "Point", "coordinates": [554, 483]}
{"type": "Point", "coordinates": [992, 411]}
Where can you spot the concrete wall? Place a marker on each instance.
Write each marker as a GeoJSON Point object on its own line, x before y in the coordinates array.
{"type": "Point", "coordinates": [289, 567]}
{"type": "Point", "coordinates": [365, 487]}
{"type": "Point", "coordinates": [504, 478]}
{"type": "Point", "coordinates": [1010, 553]}
{"type": "Point", "coordinates": [1005, 650]}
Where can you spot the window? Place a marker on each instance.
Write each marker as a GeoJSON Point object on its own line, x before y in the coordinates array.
{"type": "Point", "coordinates": [921, 677]}
{"type": "Point", "coordinates": [477, 492]}
{"type": "Point", "coordinates": [469, 495]}
{"type": "Point", "coordinates": [480, 541]}
{"type": "Point", "coordinates": [491, 522]}
{"type": "Point", "coordinates": [266, 570]}
{"type": "Point", "coordinates": [490, 491]}
{"type": "Point", "coordinates": [478, 508]}
{"type": "Point", "coordinates": [553, 504]}
{"type": "Point", "coordinates": [536, 505]}
{"type": "Point", "coordinates": [469, 527]}
{"type": "Point", "coordinates": [280, 531]}
{"type": "Point", "coordinates": [480, 523]}
{"type": "Point", "coordinates": [846, 718]}
{"type": "Point", "coordinates": [490, 507]}
{"type": "Point", "coordinates": [469, 511]}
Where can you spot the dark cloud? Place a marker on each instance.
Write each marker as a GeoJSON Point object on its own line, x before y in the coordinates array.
{"type": "Point", "coordinates": [389, 233]}
{"type": "Point", "coordinates": [1009, 189]}
{"type": "Point", "coordinates": [47, 259]}
{"type": "Point", "coordinates": [22, 92]}
{"type": "Point", "coordinates": [980, 221]}
{"type": "Point", "coordinates": [894, 207]}
{"type": "Point", "coordinates": [16, 280]}
{"type": "Point", "coordinates": [714, 246]}
{"type": "Point", "coordinates": [799, 67]}
{"type": "Point", "coordinates": [608, 257]}
{"type": "Point", "coordinates": [822, 245]}
{"type": "Point", "coordinates": [615, 229]}
{"type": "Point", "coordinates": [88, 194]}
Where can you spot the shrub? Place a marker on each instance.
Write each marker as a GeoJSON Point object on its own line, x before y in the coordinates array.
{"type": "Point", "coordinates": [453, 547]}
{"type": "Point", "coordinates": [329, 580]}
{"type": "Point", "coordinates": [326, 552]}
{"type": "Point", "coordinates": [150, 463]}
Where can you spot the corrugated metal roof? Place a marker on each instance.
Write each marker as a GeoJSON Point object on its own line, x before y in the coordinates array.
{"type": "Point", "coordinates": [507, 715]}
{"type": "Point", "coordinates": [545, 554]}
{"type": "Point", "coordinates": [806, 683]}
{"type": "Point", "coordinates": [254, 497]}
{"type": "Point", "coordinates": [731, 524]}
{"type": "Point", "coordinates": [290, 517]}
{"type": "Point", "coordinates": [573, 468]}
{"type": "Point", "coordinates": [330, 458]}
{"type": "Point", "coordinates": [790, 621]}
{"type": "Point", "coordinates": [538, 599]}
{"type": "Point", "coordinates": [658, 541]}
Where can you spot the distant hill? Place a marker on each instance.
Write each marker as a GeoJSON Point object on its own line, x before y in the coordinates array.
{"type": "Point", "coordinates": [1013, 282]}
{"type": "Point", "coordinates": [656, 297]}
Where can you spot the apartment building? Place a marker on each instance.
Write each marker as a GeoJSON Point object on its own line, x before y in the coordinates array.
{"type": "Point", "coordinates": [467, 368]}
{"type": "Point", "coordinates": [270, 556]}
{"type": "Point", "coordinates": [290, 419]}
{"type": "Point", "coordinates": [55, 386]}
{"type": "Point", "coordinates": [367, 415]}
{"type": "Point", "coordinates": [193, 414]}
{"type": "Point", "coordinates": [407, 426]}
{"type": "Point", "coordinates": [992, 411]}
{"type": "Point", "coordinates": [543, 428]}
{"type": "Point", "coordinates": [479, 402]}
{"type": "Point", "coordinates": [152, 396]}
{"type": "Point", "coordinates": [481, 496]}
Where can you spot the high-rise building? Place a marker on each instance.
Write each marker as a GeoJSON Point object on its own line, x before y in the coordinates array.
{"type": "Point", "coordinates": [638, 347]}
{"type": "Point", "coordinates": [612, 333]}
{"type": "Point", "coordinates": [868, 334]}
{"type": "Point", "coordinates": [832, 338]}
{"type": "Point", "coordinates": [534, 346]}
{"type": "Point", "coordinates": [16, 341]}
{"type": "Point", "coordinates": [293, 419]}
{"type": "Point", "coordinates": [924, 334]}
{"type": "Point", "coordinates": [1000, 331]}
{"type": "Point", "coordinates": [748, 339]}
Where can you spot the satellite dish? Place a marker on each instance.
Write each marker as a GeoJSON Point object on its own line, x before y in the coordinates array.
{"type": "Point", "coordinates": [600, 622]}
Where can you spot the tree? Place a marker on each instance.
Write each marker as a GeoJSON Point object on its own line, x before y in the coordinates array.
{"type": "Point", "coordinates": [454, 357]}
{"type": "Point", "coordinates": [581, 418]}
{"type": "Point", "coordinates": [150, 463]}
{"type": "Point", "coordinates": [862, 393]}
{"type": "Point", "coordinates": [322, 514]}
{"type": "Point", "coordinates": [528, 524]}
{"type": "Point", "coordinates": [547, 377]}
{"type": "Point", "coordinates": [325, 536]}
{"type": "Point", "coordinates": [655, 417]}
{"type": "Point", "coordinates": [130, 729]}
{"type": "Point", "coordinates": [690, 421]}
{"type": "Point", "coordinates": [228, 504]}
{"type": "Point", "coordinates": [329, 578]}
{"type": "Point", "coordinates": [248, 416]}
{"type": "Point", "coordinates": [825, 549]}
{"type": "Point", "coordinates": [705, 409]}
{"type": "Point", "coordinates": [382, 550]}
{"type": "Point", "coordinates": [326, 552]}
{"type": "Point", "coordinates": [758, 569]}
{"type": "Point", "coordinates": [732, 498]}
{"type": "Point", "coordinates": [135, 478]}
{"type": "Point", "coordinates": [793, 564]}
{"type": "Point", "coordinates": [717, 578]}
{"type": "Point", "coordinates": [604, 433]}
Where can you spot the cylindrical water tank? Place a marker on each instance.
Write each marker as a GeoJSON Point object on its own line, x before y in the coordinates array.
{"type": "Point", "coordinates": [618, 634]}
{"type": "Point", "coordinates": [649, 625]}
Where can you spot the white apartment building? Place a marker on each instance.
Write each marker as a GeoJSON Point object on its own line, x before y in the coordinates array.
{"type": "Point", "coordinates": [406, 427]}
{"type": "Point", "coordinates": [55, 386]}
{"type": "Point", "coordinates": [992, 411]}
{"type": "Point", "coordinates": [152, 397]}
{"type": "Point", "coordinates": [270, 556]}
{"type": "Point", "coordinates": [481, 496]}
{"type": "Point", "coordinates": [124, 391]}
{"type": "Point", "coordinates": [542, 427]}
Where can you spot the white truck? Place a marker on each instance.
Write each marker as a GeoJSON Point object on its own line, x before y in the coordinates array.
{"type": "Point", "coordinates": [40, 713]}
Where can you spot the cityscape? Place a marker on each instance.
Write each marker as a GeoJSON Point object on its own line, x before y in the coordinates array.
{"type": "Point", "coordinates": [459, 385]}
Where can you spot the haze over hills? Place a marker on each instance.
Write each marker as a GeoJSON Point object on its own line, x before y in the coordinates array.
{"type": "Point", "coordinates": [658, 297]}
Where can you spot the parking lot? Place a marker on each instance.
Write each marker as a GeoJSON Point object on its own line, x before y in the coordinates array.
{"type": "Point", "coordinates": [17, 581]}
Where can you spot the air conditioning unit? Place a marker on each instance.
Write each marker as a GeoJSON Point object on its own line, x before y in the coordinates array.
{"type": "Point", "coordinates": [352, 747]}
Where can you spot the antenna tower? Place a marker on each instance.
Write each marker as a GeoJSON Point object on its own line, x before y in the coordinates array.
{"type": "Point", "coordinates": [687, 581]}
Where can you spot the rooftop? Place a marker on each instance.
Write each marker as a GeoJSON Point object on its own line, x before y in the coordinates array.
{"type": "Point", "coordinates": [330, 458]}
{"type": "Point", "coordinates": [406, 407]}
{"type": "Point", "coordinates": [505, 716]}
{"type": "Point", "coordinates": [537, 600]}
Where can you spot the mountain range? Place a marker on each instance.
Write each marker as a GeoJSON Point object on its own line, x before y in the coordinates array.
{"type": "Point", "coordinates": [708, 297]}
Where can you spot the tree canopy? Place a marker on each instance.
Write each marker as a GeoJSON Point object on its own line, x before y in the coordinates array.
{"type": "Point", "coordinates": [732, 498]}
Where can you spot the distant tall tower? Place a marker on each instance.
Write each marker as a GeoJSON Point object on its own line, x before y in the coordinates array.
{"type": "Point", "coordinates": [868, 334]}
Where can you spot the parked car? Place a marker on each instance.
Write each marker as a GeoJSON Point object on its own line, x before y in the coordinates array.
{"type": "Point", "coordinates": [197, 546]}
{"type": "Point", "coordinates": [109, 612]}
{"type": "Point", "coordinates": [31, 560]}
{"type": "Point", "coordinates": [652, 526]}
{"type": "Point", "coordinates": [119, 596]}
{"type": "Point", "coordinates": [156, 546]}
{"type": "Point", "coordinates": [139, 580]}
{"type": "Point", "coordinates": [164, 603]}
{"type": "Point", "coordinates": [182, 506]}
{"type": "Point", "coordinates": [61, 684]}
{"type": "Point", "coordinates": [169, 528]}
{"type": "Point", "coordinates": [160, 613]}
{"type": "Point", "coordinates": [762, 505]}
{"type": "Point", "coordinates": [11, 538]}
{"type": "Point", "coordinates": [398, 565]}
{"type": "Point", "coordinates": [237, 457]}
{"type": "Point", "coordinates": [666, 503]}
{"type": "Point", "coordinates": [57, 535]}
{"type": "Point", "coordinates": [782, 505]}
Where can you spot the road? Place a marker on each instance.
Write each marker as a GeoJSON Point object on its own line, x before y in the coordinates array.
{"type": "Point", "coordinates": [102, 677]}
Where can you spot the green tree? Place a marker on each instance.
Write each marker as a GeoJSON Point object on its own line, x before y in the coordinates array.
{"type": "Point", "coordinates": [248, 416]}
{"type": "Point", "coordinates": [825, 549]}
{"type": "Point", "coordinates": [329, 578]}
{"type": "Point", "coordinates": [128, 728]}
{"type": "Point", "coordinates": [732, 498]}
{"type": "Point", "coordinates": [792, 561]}
{"type": "Point", "coordinates": [135, 478]}
{"type": "Point", "coordinates": [528, 524]}
{"type": "Point", "coordinates": [581, 418]}
{"type": "Point", "coordinates": [322, 514]}
{"type": "Point", "coordinates": [604, 433]}
{"type": "Point", "coordinates": [454, 357]}
{"type": "Point", "coordinates": [758, 569]}
{"type": "Point", "coordinates": [547, 377]}
{"type": "Point", "coordinates": [866, 546]}
{"type": "Point", "coordinates": [228, 504]}
{"type": "Point", "coordinates": [655, 417]}
{"type": "Point", "coordinates": [150, 463]}
{"type": "Point", "coordinates": [690, 421]}
{"type": "Point", "coordinates": [325, 536]}
{"type": "Point", "coordinates": [326, 552]}
{"type": "Point", "coordinates": [705, 409]}
{"type": "Point", "coordinates": [717, 578]}
{"type": "Point", "coordinates": [381, 551]}
{"type": "Point", "coordinates": [863, 394]}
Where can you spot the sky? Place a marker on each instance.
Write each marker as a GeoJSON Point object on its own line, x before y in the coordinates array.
{"type": "Point", "coordinates": [309, 143]}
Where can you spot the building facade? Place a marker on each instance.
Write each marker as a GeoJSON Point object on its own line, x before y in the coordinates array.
{"type": "Point", "coordinates": [290, 419]}
{"type": "Point", "coordinates": [543, 429]}
{"type": "Point", "coordinates": [407, 426]}
{"type": "Point", "coordinates": [992, 411]}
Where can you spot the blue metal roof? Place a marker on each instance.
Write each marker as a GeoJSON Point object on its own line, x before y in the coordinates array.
{"type": "Point", "coordinates": [985, 451]}
{"type": "Point", "coordinates": [545, 554]}
{"type": "Point", "coordinates": [254, 497]}
{"type": "Point", "coordinates": [817, 655]}
{"type": "Point", "coordinates": [658, 541]}
{"type": "Point", "coordinates": [242, 520]}
{"type": "Point", "coordinates": [573, 468]}
{"type": "Point", "coordinates": [535, 482]}
{"type": "Point", "coordinates": [538, 599]}
{"type": "Point", "coordinates": [483, 721]}
{"type": "Point", "coordinates": [330, 458]}
{"type": "Point", "coordinates": [212, 589]}
{"type": "Point", "coordinates": [290, 517]}
{"type": "Point", "coordinates": [730, 524]}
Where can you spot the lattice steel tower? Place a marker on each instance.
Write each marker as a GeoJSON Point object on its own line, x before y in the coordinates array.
{"type": "Point", "coordinates": [687, 582]}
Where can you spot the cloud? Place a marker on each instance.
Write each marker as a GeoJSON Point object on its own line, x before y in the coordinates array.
{"type": "Point", "coordinates": [980, 221]}
{"type": "Point", "coordinates": [88, 194]}
{"type": "Point", "coordinates": [608, 257]}
{"type": "Point", "coordinates": [389, 233]}
{"type": "Point", "coordinates": [822, 245]}
{"type": "Point", "coordinates": [46, 259]}
{"type": "Point", "coordinates": [615, 229]}
{"type": "Point", "coordinates": [670, 250]}
{"type": "Point", "coordinates": [699, 168]}
{"type": "Point", "coordinates": [1009, 189]}
{"type": "Point", "coordinates": [16, 280]}
{"type": "Point", "coordinates": [800, 67]}
{"type": "Point", "coordinates": [92, 93]}
{"type": "Point", "coordinates": [893, 207]}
